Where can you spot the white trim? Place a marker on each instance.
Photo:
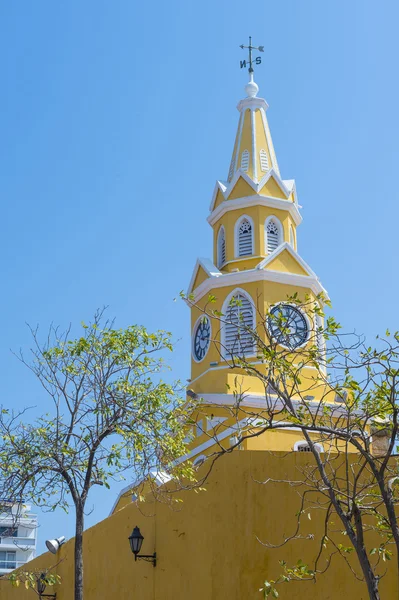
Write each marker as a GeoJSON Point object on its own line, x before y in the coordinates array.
{"type": "Point", "coordinates": [291, 236]}
{"type": "Point", "coordinates": [258, 401]}
{"type": "Point", "coordinates": [235, 260]}
{"type": "Point", "coordinates": [269, 142]}
{"type": "Point", "coordinates": [252, 103]}
{"type": "Point", "coordinates": [197, 462]}
{"type": "Point", "coordinates": [227, 187]}
{"type": "Point", "coordinates": [240, 126]}
{"type": "Point", "coordinates": [236, 235]}
{"type": "Point", "coordinates": [280, 228]}
{"type": "Point", "coordinates": [193, 337]}
{"type": "Point", "coordinates": [213, 422]}
{"type": "Point", "coordinates": [209, 269]}
{"type": "Point", "coordinates": [294, 254]}
{"type": "Point", "coordinates": [254, 157]}
{"type": "Point", "coordinates": [257, 275]}
{"type": "Point", "coordinates": [219, 185]}
{"type": "Point", "coordinates": [247, 201]}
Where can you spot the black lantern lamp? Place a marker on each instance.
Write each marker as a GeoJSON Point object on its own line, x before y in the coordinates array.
{"type": "Point", "coordinates": [136, 541]}
{"type": "Point", "coordinates": [41, 587]}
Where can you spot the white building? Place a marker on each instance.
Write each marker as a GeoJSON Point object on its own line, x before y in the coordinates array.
{"type": "Point", "coordinates": [18, 531]}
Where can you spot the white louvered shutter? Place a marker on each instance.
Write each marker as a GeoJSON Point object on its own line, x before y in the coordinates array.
{"type": "Point", "coordinates": [245, 238]}
{"type": "Point", "coordinates": [245, 160]}
{"type": "Point", "coordinates": [272, 237]}
{"type": "Point", "coordinates": [264, 161]}
{"type": "Point", "coordinates": [221, 247]}
{"type": "Point", "coordinates": [239, 325]}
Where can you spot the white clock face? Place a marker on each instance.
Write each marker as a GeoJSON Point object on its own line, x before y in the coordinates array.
{"type": "Point", "coordinates": [202, 338]}
{"type": "Point", "coordinates": [288, 326]}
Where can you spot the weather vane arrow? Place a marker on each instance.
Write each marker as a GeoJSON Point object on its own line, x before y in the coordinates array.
{"type": "Point", "coordinates": [250, 61]}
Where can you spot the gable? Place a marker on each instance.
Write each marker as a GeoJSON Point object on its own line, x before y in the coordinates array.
{"type": "Point", "coordinates": [286, 263]}
{"type": "Point", "coordinates": [241, 190]}
{"type": "Point", "coordinates": [218, 200]}
{"type": "Point", "coordinates": [200, 277]}
{"type": "Point", "coordinates": [271, 188]}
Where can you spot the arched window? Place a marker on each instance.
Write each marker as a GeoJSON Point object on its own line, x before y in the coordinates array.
{"type": "Point", "coordinates": [264, 161]}
{"type": "Point", "coordinates": [273, 234]}
{"type": "Point", "coordinates": [221, 254]}
{"type": "Point", "coordinates": [239, 326]}
{"type": "Point", "coordinates": [244, 233]}
{"type": "Point", "coordinates": [245, 161]}
{"type": "Point", "coordinates": [292, 237]}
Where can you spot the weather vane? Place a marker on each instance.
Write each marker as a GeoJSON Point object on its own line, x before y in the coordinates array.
{"type": "Point", "coordinates": [249, 62]}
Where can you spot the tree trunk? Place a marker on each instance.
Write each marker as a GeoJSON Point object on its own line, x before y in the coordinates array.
{"type": "Point", "coordinates": [371, 580]}
{"type": "Point", "coordinates": [79, 552]}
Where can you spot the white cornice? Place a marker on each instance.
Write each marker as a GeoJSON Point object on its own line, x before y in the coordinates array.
{"type": "Point", "coordinates": [252, 276]}
{"type": "Point", "coordinates": [252, 103]}
{"type": "Point", "coordinates": [247, 201]}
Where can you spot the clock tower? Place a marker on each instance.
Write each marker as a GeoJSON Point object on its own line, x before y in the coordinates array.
{"type": "Point", "coordinates": [256, 266]}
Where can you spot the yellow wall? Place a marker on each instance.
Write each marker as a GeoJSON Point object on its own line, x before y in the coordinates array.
{"type": "Point", "coordinates": [258, 214]}
{"type": "Point", "coordinates": [207, 547]}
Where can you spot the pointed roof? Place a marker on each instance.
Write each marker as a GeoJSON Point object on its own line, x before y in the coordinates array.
{"type": "Point", "coordinates": [253, 150]}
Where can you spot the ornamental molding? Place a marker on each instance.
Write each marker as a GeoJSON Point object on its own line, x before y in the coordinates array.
{"type": "Point", "coordinates": [239, 278]}
{"type": "Point", "coordinates": [248, 201]}
{"type": "Point", "coordinates": [287, 186]}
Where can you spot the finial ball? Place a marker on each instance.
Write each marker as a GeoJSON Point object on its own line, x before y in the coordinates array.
{"type": "Point", "coordinates": [251, 89]}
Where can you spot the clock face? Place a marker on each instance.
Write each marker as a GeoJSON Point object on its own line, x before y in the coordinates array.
{"type": "Point", "coordinates": [288, 326]}
{"type": "Point", "coordinates": [202, 338]}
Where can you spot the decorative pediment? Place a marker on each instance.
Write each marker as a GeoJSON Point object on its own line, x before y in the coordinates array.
{"type": "Point", "coordinates": [203, 270]}
{"type": "Point", "coordinates": [284, 259]}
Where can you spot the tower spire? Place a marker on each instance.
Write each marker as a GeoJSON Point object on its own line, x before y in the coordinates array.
{"type": "Point", "coordinates": [253, 151]}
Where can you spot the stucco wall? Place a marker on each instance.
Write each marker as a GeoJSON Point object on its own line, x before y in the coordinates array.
{"type": "Point", "coordinates": [207, 546]}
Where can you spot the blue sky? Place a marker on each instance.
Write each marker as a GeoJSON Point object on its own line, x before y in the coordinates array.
{"type": "Point", "coordinates": [118, 117]}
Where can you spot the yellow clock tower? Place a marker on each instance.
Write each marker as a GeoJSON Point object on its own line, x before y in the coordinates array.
{"type": "Point", "coordinates": [256, 266]}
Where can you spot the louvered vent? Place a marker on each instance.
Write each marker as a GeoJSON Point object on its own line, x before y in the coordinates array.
{"type": "Point", "coordinates": [238, 337]}
{"type": "Point", "coordinates": [221, 247]}
{"type": "Point", "coordinates": [264, 161]}
{"type": "Point", "coordinates": [245, 161]}
{"type": "Point", "coordinates": [272, 235]}
{"type": "Point", "coordinates": [245, 238]}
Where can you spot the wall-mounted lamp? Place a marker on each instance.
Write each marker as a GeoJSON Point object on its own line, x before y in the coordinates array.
{"type": "Point", "coordinates": [54, 545]}
{"type": "Point", "coordinates": [41, 585]}
{"type": "Point", "coordinates": [136, 541]}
